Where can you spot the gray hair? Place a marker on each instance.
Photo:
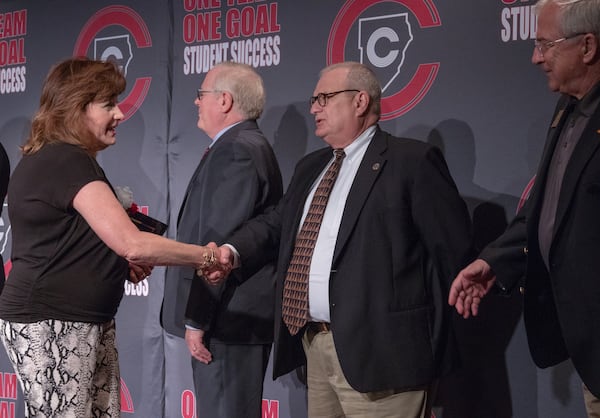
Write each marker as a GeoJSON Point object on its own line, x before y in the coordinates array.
{"type": "Point", "coordinates": [245, 85]}
{"type": "Point", "coordinates": [363, 78]}
{"type": "Point", "coordinates": [578, 16]}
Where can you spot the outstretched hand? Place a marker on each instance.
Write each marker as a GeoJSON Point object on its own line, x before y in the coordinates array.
{"type": "Point", "coordinates": [470, 286]}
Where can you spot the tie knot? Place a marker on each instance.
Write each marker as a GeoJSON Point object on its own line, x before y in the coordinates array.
{"type": "Point", "coordinates": [339, 153]}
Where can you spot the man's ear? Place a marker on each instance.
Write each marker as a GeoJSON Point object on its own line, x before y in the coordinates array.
{"type": "Point", "coordinates": [362, 101]}
{"type": "Point", "coordinates": [226, 101]}
{"type": "Point", "coordinates": [590, 48]}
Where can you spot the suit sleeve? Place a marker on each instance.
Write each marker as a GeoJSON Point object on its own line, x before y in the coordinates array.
{"type": "Point", "coordinates": [257, 241]}
{"type": "Point", "coordinates": [260, 240]}
{"type": "Point", "coordinates": [507, 254]}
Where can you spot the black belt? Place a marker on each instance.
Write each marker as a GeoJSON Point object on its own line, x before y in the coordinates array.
{"type": "Point", "coordinates": [317, 327]}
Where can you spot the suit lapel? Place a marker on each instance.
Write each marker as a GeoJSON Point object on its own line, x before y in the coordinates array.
{"type": "Point", "coordinates": [537, 195]}
{"type": "Point", "coordinates": [368, 172]}
{"type": "Point", "coordinates": [190, 187]}
{"type": "Point", "coordinates": [584, 151]}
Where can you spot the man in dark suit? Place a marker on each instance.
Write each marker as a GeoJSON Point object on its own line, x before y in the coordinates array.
{"type": "Point", "coordinates": [4, 176]}
{"type": "Point", "coordinates": [551, 248]}
{"type": "Point", "coordinates": [393, 234]}
{"type": "Point", "coordinates": [228, 328]}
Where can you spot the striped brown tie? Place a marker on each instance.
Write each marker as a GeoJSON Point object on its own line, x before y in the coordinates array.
{"type": "Point", "coordinates": [295, 289]}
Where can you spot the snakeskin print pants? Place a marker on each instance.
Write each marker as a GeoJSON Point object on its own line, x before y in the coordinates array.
{"type": "Point", "coordinates": [66, 369]}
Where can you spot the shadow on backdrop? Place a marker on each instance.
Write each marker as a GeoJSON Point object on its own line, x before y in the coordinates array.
{"type": "Point", "coordinates": [480, 387]}
{"type": "Point", "coordinates": [289, 132]}
{"type": "Point", "coordinates": [13, 134]}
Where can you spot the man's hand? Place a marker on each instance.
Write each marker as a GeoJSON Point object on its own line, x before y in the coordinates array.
{"type": "Point", "coordinates": [138, 272]}
{"type": "Point", "coordinates": [219, 271]}
{"type": "Point", "coordinates": [195, 343]}
{"type": "Point", "coordinates": [469, 286]}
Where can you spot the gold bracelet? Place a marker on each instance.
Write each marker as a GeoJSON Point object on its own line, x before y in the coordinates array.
{"type": "Point", "coordinates": [209, 259]}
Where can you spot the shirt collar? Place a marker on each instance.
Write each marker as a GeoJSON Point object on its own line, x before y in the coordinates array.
{"type": "Point", "coordinates": [222, 131]}
{"type": "Point", "coordinates": [356, 148]}
{"type": "Point", "coordinates": [590, 102]}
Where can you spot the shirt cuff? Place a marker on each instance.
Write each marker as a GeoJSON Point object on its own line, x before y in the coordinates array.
{"type": "Point", "coordinates": [236, 256]}
{"type": "Point", "coordinates": [194, 326]}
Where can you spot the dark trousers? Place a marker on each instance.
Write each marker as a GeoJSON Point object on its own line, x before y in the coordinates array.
{"type": "Point", "coordinates": [231, 385]}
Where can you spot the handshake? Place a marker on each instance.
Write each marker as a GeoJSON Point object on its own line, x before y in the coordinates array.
{"type": "Point", "coordinates": [216, 264]}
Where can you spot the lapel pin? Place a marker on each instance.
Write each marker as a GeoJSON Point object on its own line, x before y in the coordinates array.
{"type": "Point", "coordinates": [376, 166]}
{"type": "Point", "coordinates": [557, 118]}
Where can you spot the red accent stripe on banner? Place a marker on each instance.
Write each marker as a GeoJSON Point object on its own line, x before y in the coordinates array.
{"type": "Point", "coordinates": [136, 97]}
{"type": "Point", "coordinates": [7, 268]}
{"type": "Point", "coordinates": [525, 194]}
{"type": "Point", "coordinates": [113, 15]}
{"type": "Point", "coordinates": [407, 98]}
{"type": "Point", "coordinates": [126, 401]}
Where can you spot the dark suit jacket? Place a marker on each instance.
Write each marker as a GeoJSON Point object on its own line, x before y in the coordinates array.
{"type": "Point", "coordinates": [4, 176]}
{"type": "Point", "coordinates": [561, 306]}
{"type": "Point", "coordinates": [403, 221]}
{"type": "Point", "coordinates": [237, 180]}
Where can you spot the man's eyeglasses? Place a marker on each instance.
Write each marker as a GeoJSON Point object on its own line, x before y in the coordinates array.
{"type": "Point", "coordinates": [322, 98]}
{"type": "Point", "coordinates": [201, 93]}
{"type": "Point", "coordinates": [544, 46]}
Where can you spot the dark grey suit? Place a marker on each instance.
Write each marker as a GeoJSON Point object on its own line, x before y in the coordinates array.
{"type": "Point", "coordinates": [404, 234]}
{"type": "Point", "coordinates": [237, 180]}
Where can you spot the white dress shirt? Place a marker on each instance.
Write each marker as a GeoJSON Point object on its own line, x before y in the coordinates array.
{"type": "Point", "coordinates": [320, 267]}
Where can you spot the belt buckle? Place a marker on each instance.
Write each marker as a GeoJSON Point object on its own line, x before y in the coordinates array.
{"type": "Point", "coordinates": [320, 326]}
